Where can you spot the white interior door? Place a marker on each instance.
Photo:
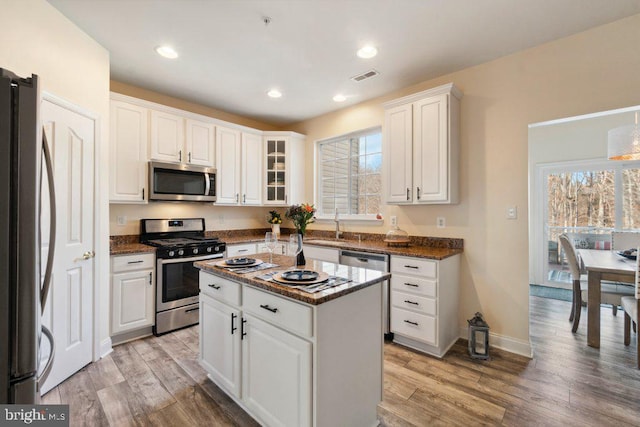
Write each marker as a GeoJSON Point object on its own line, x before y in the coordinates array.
{"type": "Point", "coordinates": [69, 307]}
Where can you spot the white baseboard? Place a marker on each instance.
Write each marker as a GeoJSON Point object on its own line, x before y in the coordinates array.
{"type": "Point", "coordinates": [502, 342]}
{"type": "Point", "coordinates": [105, 347]}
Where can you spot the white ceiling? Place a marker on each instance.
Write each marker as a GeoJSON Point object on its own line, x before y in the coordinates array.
{"type": "Point", "coordinates": [229, 58]}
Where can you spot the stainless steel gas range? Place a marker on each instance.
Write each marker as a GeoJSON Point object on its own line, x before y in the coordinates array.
{"type": "Point", "coordinates": [180, 242]}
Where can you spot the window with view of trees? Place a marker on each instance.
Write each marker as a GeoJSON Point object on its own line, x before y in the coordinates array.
{"type": "Point", "coordinates": [349, 174]}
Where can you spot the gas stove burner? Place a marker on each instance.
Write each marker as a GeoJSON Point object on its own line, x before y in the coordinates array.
{"type": "Point", "coordinates": [183, 241]}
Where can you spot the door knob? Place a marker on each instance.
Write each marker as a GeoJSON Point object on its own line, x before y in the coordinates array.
{"type": "Point", "coordinates": [85, 256]}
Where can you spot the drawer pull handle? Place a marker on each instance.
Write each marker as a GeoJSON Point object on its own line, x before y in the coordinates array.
{"type": "Point", "coordinates": [412, 266]}
{"type": "Point", "coordinates": [266, 307]}
{"type": "Point", "coordinates": [135, 262]}
{"type": "Point", "coordinates": [192, 309]}
{"type": "Point", "coordinates": [233, 323]}
{"type": "Point", "coordinates": [411, 302]}
{"type": "Point", "coordinates": [407, 284]}
{"type": "Point", "coordinates": [410, 322]}
{"type": "Point", "coordinates": [363, 260]}
{"type": "Point", "coordinates": [242, 250]}
{"type": "Point", "coordinates": [242, 332]}
{"type": "Point", "coordinates": [216, 287]}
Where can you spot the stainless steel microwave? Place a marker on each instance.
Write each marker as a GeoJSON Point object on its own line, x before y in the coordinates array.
{"type": "Point", "coordinates": [170, 181]}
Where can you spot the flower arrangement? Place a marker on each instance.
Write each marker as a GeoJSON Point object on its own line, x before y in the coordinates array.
{"type": "Point", "coordinates": [301, 215]}
{"type": "Point", "coordinates": [275, 218]}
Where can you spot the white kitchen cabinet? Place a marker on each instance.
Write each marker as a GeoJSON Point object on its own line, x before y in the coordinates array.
{"type": "Point", "coordinates": [167, 137]}
{"type": "Point", "coordinates": [251, 170]}
{"type": "Point", "coordinates": [239, 177]}
{"type": "Point", "coordinates": [421, 146]}
{"type": "Point", "coordinates": [276, 374]}
{"type": "Point", "coordinates": [284, 168]}
{"type": "Point", "coordinates": [177, 139]}
{"type": "Point", "coordinates": [280, 249]}
{"type": "Point", "coordinates": [128, 153]}
{"type": "Point", "coordinates": [321, 253]}
{"type": "Point", "coordinates": [424, 303]}
{"type": "Point", "coordinates": [132, 292]}
{"type": "Point", "coordinates": [240, 249]}
{"type": "Point", "coordinates": [200, 143]}
{"type": "Point", "coordinates": [220, 346]}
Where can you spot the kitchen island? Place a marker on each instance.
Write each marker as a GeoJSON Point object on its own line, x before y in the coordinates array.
{"type": "Point", "coordinates": [294, 358]}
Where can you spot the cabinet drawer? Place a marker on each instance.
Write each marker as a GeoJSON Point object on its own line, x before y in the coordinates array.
{"type": "Point", "coordinates": [280, 249]}
{"type": "Point", "coordinates": [421, 327]}
{"type": "Point", "coordinates": [220, 289]}
{"type": "Point", "coordinates": [418, 285]}
{"type": "Point", "coordinates": [417, 266]}
{"type": "Point", "coordinates": [422, 305]}
{"type": "Point", "coordinates": [121, 263]}
{"type": "Point", "coordinates": [288, 314]}
{"type": "Point", "coordinates": [241, 250]}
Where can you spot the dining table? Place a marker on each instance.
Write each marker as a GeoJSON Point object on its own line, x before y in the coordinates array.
{"type": "Point", "coordinates": [602, 265]}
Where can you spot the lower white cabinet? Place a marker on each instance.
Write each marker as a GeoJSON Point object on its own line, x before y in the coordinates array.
{"type": "Point", "coordinates": [321, 253]}
{"type": "Point", "coordinates": [424, 303]}
{"type": "Point", "coordinates": [292, 364]}
{"type": "Point", "coordinates": [132, 292]}
{"type": "Point", "coordinates": [220, 346]}
{"type": "Point", "coordinates": [276, 368]}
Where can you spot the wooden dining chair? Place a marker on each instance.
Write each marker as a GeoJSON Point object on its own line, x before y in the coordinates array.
{"type": "Point", "coordinates": [631, 307]}
{"type": "Point", "coordinates": [610, 294]}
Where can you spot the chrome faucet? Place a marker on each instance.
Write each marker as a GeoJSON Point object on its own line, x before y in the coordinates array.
{"type": "Point", "coordinates": [337, 221]}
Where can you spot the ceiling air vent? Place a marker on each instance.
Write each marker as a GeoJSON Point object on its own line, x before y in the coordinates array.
{"type": "Point", "coordinates": [364, 76]}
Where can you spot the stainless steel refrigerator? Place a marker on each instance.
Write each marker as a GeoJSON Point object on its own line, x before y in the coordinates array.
{"type": "Point", "coordinates": [24, 362]}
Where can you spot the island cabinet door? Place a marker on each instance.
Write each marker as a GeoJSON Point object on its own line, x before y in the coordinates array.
{"type": "Point", "coordinates": [220, 343]}
{"type": "Point", "coordinates": [276, 375]}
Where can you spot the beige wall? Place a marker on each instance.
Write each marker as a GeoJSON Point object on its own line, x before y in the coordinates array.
{"type": "Point", "coordinates": [592, 71]}
{"type": "Point", "coordinates": [159, 98]}
{"type": "Point", "coordinates": [38, 39]}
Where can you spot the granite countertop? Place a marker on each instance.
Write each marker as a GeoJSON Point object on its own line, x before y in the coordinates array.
{"type": "Point", "coordinates": [130, 248]}
{"type": "Point", "coordinates": [439, 249]}
{"type": "Point", "coordinates": [360, 278]}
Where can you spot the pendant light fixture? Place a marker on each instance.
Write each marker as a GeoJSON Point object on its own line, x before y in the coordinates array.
{"type": "Point", "coordinates": [624, 142]}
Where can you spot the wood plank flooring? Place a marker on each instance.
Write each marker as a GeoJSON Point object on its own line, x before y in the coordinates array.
{"type": "Point", "coordinates": [157, 381]}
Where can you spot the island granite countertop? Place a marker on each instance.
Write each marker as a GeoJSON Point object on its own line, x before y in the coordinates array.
{"type": "Point", "coordinates": [359, 278]}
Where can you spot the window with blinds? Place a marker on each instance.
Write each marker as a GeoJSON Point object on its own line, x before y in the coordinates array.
{"type": "Point", "coordinates": [349, 174]}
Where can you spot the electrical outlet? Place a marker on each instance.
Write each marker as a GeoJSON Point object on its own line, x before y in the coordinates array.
{"type": "Point", "coordinates": [394, 220]}
{"type": "Point", "coordinates": [440, 222]}
{"type": "Point", "coordinates": [512, 212]}
{"type": "Point", "coordinates": [121, 220]}
{"type": "Point", "coordinates": [221, 219]}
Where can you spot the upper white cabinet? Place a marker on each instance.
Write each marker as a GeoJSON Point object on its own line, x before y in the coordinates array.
{"type": "Point", "coordinates": [128, 153]}
{"type": "Point", "coordinates": [167, 137]}
{"type": "Point", "coordinates": [180, 140]}
{"type": "Point", "coordinates": [421, 145]}
{"type": "Point", "coordinates": [199, 144]}
{"type": "Point", "coordinates": [284, 168]}
{"type": "Point", "coordinates": [239, 176]}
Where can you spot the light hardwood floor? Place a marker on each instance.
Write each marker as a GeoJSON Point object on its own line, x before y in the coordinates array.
{"type": "Point", "coordinates": [158, 381]}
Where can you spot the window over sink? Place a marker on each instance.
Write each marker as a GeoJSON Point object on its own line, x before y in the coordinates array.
{"type": "Point", "coordinates": [349, 169]}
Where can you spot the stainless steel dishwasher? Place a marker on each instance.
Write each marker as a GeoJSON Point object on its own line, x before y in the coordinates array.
{"type": "Point", "coordinates": [378, 262]}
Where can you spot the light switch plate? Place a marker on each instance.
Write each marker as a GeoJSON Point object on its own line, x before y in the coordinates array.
{"type": "Point", "coordinates": [512, 212]}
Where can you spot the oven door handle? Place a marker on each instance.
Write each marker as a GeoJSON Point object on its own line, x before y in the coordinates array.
{"type": "Point", "coordinates": [190, 259]}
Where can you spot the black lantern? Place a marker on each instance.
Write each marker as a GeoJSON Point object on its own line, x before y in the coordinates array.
{"type": "Point", "coordinates": [478, 337]}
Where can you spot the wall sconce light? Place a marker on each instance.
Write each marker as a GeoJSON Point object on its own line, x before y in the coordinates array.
{"type": "Point", "coordinates": [478, 337]}
{"type": "Point", "coordinates": [624, 142]}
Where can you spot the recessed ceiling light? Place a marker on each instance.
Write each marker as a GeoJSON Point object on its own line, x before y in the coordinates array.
{"type": "Point", "coordinates": [274, 93]}
{"type": "Point", "coordinates": [367, 52]}
{"type": "Point", "coordinates": [167, 52]}
{"type": "Point", "coordinates": [339, 98]}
